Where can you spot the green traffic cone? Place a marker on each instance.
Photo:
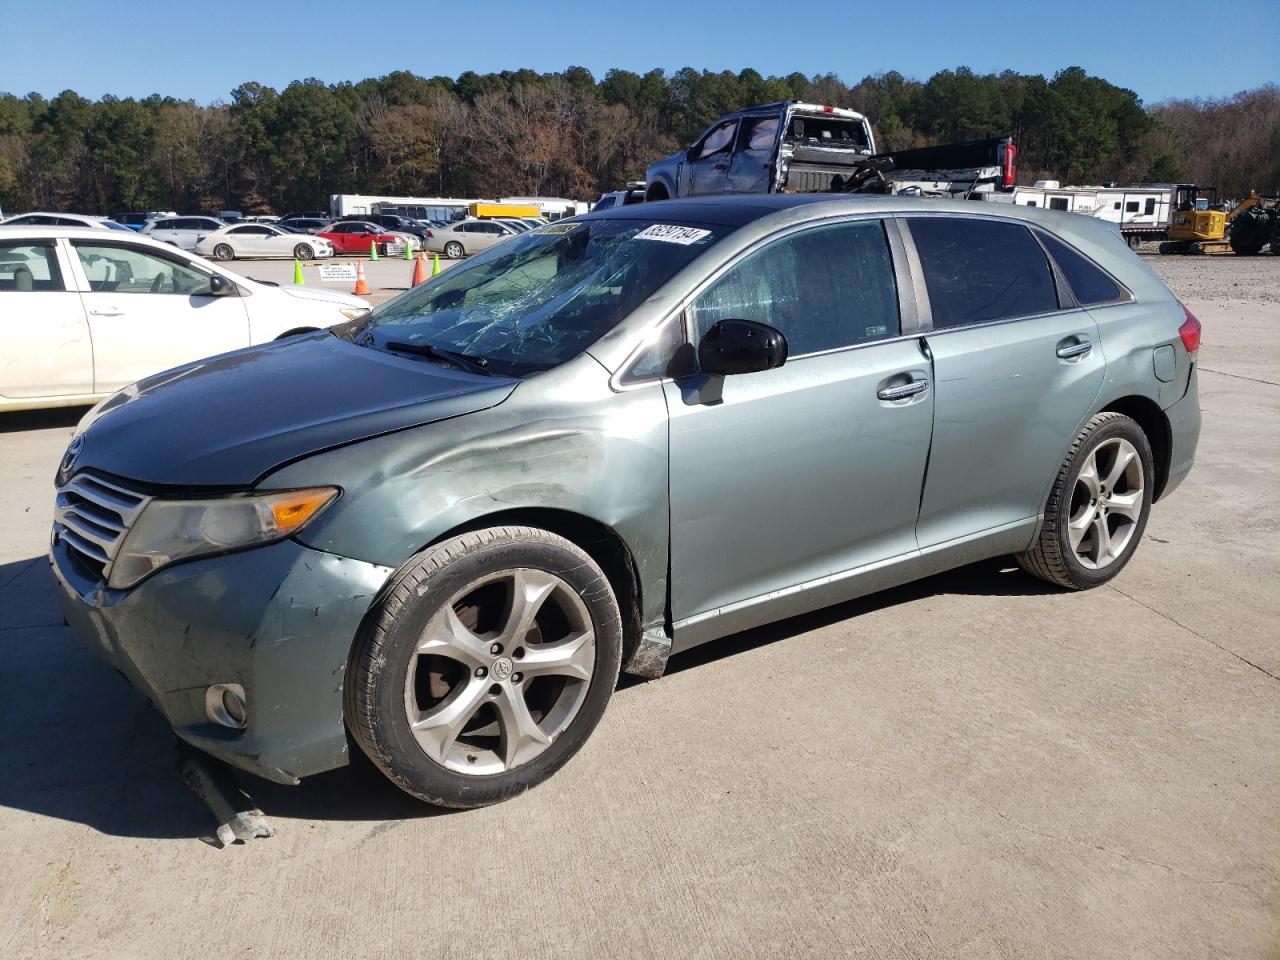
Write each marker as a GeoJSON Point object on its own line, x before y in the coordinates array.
{"type": "Point", "coordinates": [408, 254]}
{"type": "Point", "coordinates": [435, 265]}
{"type": "Point", "coordinates": [373, 250]}
{"type": "Point", "coordinates": [297, 274]}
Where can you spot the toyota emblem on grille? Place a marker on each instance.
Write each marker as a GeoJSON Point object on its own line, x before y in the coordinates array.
{"type": "Point", "coordinates": [69, 459]}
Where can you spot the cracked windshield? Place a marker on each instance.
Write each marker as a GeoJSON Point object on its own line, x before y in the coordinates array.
{"type": "Point", "coordinates": [539, 299]}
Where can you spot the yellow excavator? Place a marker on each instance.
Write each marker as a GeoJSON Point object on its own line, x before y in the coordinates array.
{"type": "Point", "coordinates": [1203, 225]}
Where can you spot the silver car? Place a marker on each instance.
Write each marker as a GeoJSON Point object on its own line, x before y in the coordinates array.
{"type": "Point", "coordinates": [466, 237]}
{"type": "Point", "coordinates": [183, 232]}
{"type": "Point", "coordinates": [446, 527]}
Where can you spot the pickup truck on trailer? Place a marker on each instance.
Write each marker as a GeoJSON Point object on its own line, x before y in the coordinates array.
{"type": "Point", "coordinates": [793, 147]}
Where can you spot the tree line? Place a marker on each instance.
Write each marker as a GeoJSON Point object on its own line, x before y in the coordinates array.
{"type": "Point", "coordinates": [569, 134]}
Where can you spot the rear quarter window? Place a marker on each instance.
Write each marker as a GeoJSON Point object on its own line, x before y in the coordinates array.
{"type": "Point", "coordinates": [1090, 284]}
{"type": "Point", "coordinates": [980, 271]}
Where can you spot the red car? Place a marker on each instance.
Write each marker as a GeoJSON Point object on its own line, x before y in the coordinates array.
{"type": "Point", "coordinates": [355, 237]}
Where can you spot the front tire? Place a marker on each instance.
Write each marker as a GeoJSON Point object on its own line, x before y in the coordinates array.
{"type": "Point", "coordinates": [485, 666]}
{"type": "Point", "coordinates": [303, 251]}
{"type": "Point", "coordinates": [453, 250]}
{"type": "Point", "coordinates": [223, 251]}
{"type": "Point", "coordinates": [1098, 507]}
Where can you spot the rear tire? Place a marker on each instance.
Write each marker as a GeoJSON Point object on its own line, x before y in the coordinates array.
{"type": "Point", "coordinates": [223, 251]}
{"type": "Point", "coordinates": [1098, 507]}
{"type": "Point", "coordinates": [484, 666]}
{"type": "Point", "coordinates": [453, 250]}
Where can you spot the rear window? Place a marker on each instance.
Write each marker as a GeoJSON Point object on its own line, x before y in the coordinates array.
{"type": "Point", "coordinates": [978, 271]}
{"type": "Point", "coordinates": [29, 268]}
{"type": "Point", "coordinates": [1089, 284]}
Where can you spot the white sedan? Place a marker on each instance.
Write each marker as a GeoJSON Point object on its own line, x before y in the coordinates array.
{"type": "Point", "coordinates": [40, 219]}
{"type": "Point", "coordinates": [262, 240]}
{"type": "Point", "coordinates": [85, 312]}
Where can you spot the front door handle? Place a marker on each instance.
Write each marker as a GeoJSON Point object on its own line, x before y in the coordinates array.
{"type": "Point", "coordinates": [107, 313]}
{"type": "Point", "coordinates": [903, 391]}
{"type": "Point", "coordinates": [1078, 349]}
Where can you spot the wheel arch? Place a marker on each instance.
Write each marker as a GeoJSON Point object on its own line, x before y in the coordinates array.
{"type": "Point", "coordinates": [658, 190]}
{"type": "Point", "coordinates": [1153, 422]}
{"type": "Point", "coordinates": [297, 330]}
{"type": "Point", "coordinates": [598, 540]}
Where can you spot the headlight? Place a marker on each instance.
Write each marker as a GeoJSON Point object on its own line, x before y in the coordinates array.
{"type": "Point", "coordinates": [354, 313]}
{"type": "Point", "coordinates": [171, 530]}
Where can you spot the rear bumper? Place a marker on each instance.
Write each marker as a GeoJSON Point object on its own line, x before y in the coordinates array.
{"type": "Point", "coordinates": [279, 620]}
{"type": "Point", "coordinates": [1184, 434]}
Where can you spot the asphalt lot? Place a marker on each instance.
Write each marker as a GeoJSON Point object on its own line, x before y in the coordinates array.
{"type": "Point", "coordinates": [972, 766]}
{"type": "Point", "coordinates": [387, 277]}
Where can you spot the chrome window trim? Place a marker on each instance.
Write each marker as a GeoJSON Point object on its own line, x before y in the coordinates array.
{"type": "Point", "coordinates": [917, 266]}
{"type": "Point", "coordinates": [615, 380]}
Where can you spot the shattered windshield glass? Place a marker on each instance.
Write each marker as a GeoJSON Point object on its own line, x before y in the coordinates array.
{"type": "Point", "coordinates": [538, 299]}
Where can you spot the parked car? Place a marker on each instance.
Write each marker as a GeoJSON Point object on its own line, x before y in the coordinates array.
{"type": "Point", "coordinates": [392, 222]}
{"type": "Point", "coordinates": [61, 220]}
{"type": "Point", "coordinates": [262, 240]}
{"type": "Point", "coordinates": [467, 237]}
{"type": "Point", "coordinates": [634, 193]}
{"type": "Point", "coordinates": [182, 232]}
{"type": "Point", "coordinates": [304, 224]}
{"type": "Point", "coordinates": [116, 307]}
{"type": "Point", "coordinates": [446, 526]}
{"type": "Point", "coordinates": [138, 219]}
{"type": "Point", "coordinates": [356, 236]}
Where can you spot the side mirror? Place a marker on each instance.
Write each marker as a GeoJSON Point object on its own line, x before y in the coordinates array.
{"type": "Point", "coordinates": [220, 286]}
{"type": "Point", "coordinates": [741, 346]}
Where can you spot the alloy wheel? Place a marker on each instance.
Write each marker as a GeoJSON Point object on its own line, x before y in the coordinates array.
{"type": "Point", "coordinates": [500, 672]}
{"type": "Point", "coordinates": [1106, 504]}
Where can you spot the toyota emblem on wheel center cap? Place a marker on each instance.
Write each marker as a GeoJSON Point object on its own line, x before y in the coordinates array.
{"type": "Point", "coordinates": [502, 668]}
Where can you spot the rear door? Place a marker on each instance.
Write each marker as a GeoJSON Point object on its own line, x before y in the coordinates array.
{"type": "Point", "coordinates": [45, 347]}
{"type": "Point", "coordinates": [1016, 369]}
{"type": "Point", "coordinates": [789, 477]}
{"type": "Point", "coordinates": [149, 310]}
{"type": "Point", "coordinates": [751, 168]}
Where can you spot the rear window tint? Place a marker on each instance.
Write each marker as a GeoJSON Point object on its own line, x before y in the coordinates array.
{"type": "Point", "coordinates": [978, 271]}
{"type": "Point", "coordinates": [1087, 282]}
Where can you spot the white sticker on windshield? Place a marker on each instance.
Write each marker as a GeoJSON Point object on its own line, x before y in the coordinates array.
{"type": "Point", "coordinates": [670, 233]}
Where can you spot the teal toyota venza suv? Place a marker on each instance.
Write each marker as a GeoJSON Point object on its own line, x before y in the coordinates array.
{"type": "Point", "coordinates": [441, 530]}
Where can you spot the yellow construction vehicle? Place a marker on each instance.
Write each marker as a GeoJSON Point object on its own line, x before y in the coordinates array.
{"type": "Point", "coordinates": [1203, 225]}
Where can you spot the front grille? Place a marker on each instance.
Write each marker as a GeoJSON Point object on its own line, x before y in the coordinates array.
{"type": "Point", "coordinates": [92, 516]}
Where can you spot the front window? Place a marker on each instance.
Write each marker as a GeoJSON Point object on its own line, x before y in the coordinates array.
{"type": "Point", "coordinates": [112, 269]}
{"type": "Point", "coordinates": [540, 298]}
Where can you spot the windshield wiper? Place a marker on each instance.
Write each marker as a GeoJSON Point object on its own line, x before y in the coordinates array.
{"type": "Point", "coordinates": [474, 364]}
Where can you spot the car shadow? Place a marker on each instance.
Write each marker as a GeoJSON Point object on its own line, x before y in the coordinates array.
{"type": "Point", "coordinates": [23, 420]}
{"type": "Point", "coordinates": [80, 746]}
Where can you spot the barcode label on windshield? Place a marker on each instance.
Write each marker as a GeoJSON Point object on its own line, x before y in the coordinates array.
{"type": "Point", "coordinates": [668, 233]}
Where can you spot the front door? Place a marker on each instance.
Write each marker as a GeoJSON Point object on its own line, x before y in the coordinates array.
{"type": "Point", "coordinates": [149, 311]}
{"type": "Point", "coordinates": [788, 479]}
{"type": "Point", "coordinates": [708, 160]}
{"type": "Point", "coordinates": [1016, 371]}
{"type": "Point", "coordinates": [47, 351]}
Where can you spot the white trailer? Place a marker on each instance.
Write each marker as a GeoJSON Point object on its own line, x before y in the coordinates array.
{"type": "Point", "coordinates": [423, 208]}
{"type": "Point", "coordinates": [1142, 211]}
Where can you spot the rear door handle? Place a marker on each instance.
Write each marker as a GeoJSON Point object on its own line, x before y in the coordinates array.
{"type": "Point", "coordinates": [106, 313]}
{"type": "Point", "coordinates": [1073, 350]}
{"type": "Point", "coordinates": [903, 391]}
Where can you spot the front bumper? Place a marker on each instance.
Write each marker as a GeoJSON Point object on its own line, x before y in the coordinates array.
{"type": "Point", "coordinates": [279, 620]}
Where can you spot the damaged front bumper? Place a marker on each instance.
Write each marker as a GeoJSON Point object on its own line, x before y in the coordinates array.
{"type": "Point", "coordinates": [278, 620]}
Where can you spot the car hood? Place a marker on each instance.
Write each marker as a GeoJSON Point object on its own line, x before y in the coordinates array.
{"type": "Point", "coordinates": [320, 294]}
{"type": "Point", "coordinates": [228, 420]}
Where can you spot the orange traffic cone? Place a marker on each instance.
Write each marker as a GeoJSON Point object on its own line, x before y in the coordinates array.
{"type": "Point", "coordinates": [419, 270]}
{"type": "Point", "coordinates": [362, 288]}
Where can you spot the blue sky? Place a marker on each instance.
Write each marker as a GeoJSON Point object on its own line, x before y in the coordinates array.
{"type": "Point", "coordinates": [201, 50]}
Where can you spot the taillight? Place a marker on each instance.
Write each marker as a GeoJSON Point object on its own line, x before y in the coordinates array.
{"type": "Point", "coordinates": [1190, 332]}
{"type": "Point", "coordinates": [430, 234]}
{"type": "Point", "coordinates": [1010, 173]}
{"type": "Point", "coordinates": [828, 109]}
